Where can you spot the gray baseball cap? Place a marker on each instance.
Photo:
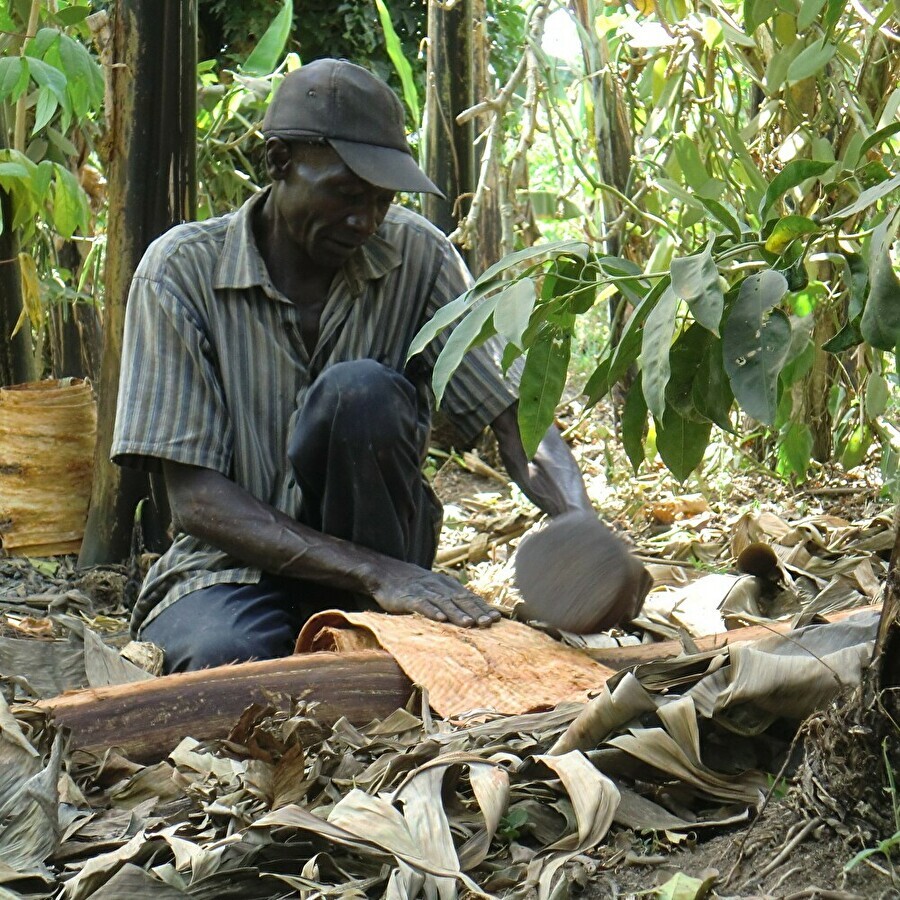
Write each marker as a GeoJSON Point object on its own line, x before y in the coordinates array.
{"type": "Point", "coordinates": [356, 113]}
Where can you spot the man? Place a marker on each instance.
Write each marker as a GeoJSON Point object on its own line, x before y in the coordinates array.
{"type": "Point", "coordinates": [264, 374]}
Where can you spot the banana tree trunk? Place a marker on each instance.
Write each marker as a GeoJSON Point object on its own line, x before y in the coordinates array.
{"type": "Point", "coordinates": [17, 362]}
{"type": "Point", "coordinates": [449, 147]}
{"type": "Point", "coordinates": [152, 186]}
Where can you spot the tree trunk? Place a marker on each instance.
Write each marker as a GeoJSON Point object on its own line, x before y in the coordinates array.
{"type": "Point", "coordinates": [74, 329]}
{"type": "Point", "coordinates": [449, 148]}
{"type": "Point", "coordinates": [17, 362]}
{"type": "Point", "coordinates": [817, 387]}
{"type": "Point", "coordinates": [152, 186]}
{"type": "Point", "coordinates": [147, 719]}
{"type": "Point", "coordinates": [487, 249]}
{"type": "Point", "coordinates": [613, 141]}
{"type": "Point", "coordinates": [76, 337]}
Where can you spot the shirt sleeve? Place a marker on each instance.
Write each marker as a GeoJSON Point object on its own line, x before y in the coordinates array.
{"type": "Point", "coordinates": [478, 391]}
{"type": "Point", "coordinates": [171, 404]}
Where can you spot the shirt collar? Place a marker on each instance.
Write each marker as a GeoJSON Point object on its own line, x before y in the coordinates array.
{"type": "Point", "coordinates": [241, 264]}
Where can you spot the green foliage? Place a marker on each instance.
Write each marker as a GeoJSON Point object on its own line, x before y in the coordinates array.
{"type": "Point", "coordinates": [401, 63]}
{"type": "Point", "coordinates": [51, 92]}
{"type": "Point", "coordinates": [266, 55]}
{"type": "Point", "coordinates": [231, 32]}
{"type": "Point", "coordinates": [758, 208]}
{"type": "Point", "coordinates": [56, 85]}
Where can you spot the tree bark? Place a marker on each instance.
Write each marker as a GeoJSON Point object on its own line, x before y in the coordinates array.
{"type": "Point", "coordinates": [152, 186]}
{"type": "Point", "coordinates": [74, 330]}
{"type": "Point", "coordinates": [17, 361]}
{"type": "Point", "coordinates": [487, 249]}
{"type": "Point", "coordinates": [147, 719]}
{"type": "Point", "coordinates": [449, 147]}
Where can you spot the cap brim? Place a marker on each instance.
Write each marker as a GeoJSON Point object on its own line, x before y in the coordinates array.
{"type": "Point", "coordinates": [384, 167]}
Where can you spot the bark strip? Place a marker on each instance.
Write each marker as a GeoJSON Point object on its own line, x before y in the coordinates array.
{"type": "Point", "coordinates": [147, 719]}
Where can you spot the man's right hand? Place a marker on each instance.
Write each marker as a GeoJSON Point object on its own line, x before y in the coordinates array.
{"type": "Point", "coordinates": [405, 588]}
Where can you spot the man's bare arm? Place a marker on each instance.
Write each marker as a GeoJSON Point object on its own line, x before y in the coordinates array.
{"type": "Point", "coordinates": [213, 508]}
{"type": "Point", "coordinates": [552, 480]}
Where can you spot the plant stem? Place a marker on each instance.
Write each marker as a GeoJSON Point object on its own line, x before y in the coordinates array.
{"type": "Point", "coordinates": [30, 31]}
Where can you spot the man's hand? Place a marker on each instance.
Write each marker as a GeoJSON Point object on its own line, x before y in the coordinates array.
{"type": "Point", "coordinates": [207, 505]}
{"type": "Point", "coordinates": [552, 480]}
{"type": "Point", "coordinates": [405, 588]}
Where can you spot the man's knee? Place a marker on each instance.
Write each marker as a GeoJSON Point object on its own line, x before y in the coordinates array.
{"type": "Point", "coordinates": [222, 624]}
{"type": "Point", "coordinates": [361, 401]}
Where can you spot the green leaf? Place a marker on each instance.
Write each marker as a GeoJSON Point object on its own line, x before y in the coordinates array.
{"type": "Point", "coordinates": [582, 284]}
{"type": "Point", "coordinates": [542, 383]}
{"type": "Point", "coordinates": [777, 67]}
{"type": "Point", "coordinates": [49, 77]}
{"type": "Point", "coordinates": [755, 347]}
{"type": "Point", "coordinates": [849, 336]}
{"type": "Point", "coordinates": [513, 310]}
{"type": "Point", "coordinates": [695, 279]}
{"type": "Point", "coordinates": [808, 14]}
{"type": "Point", "coordinates": [398, 58]}
{"type": "Point", "coordinates": [14, 77]}
{"type": "Point", "coordinates": [692, 167]}
{"type": "Point", "coordinates": [854, 452]}
{"type": "Point", "coordinates": [464, 336]}
{"type": "Point", "coordinates": [69, 204]}
{"type": "Point", "coordinates": [61, 142]}
{"type": "Point", "coordinates": [46, 106]}
{"type": "Point", "coordinates": [711, 393]}
{"type": "Point", "coordinates": [533, 254]}
{"type": "Point", "coordinates": [795, 445]}
{"type": "Point", "coordinates": [877, 395]}
{"type": "Point", "coordinates": [634, 424]}
{"type": "Point", "coordinates": [445, 316]}
{"type": "Point", "coordinates": [619, 358]}
{"type": "Point", "coordinates": [43, 41]}
{"type": "Point", "coordinates": [880, 323]}
{"type": "Point", "coordinates": [687, 350]}
{"type": "Point", "coordinates": [856, 277]}
{"type": "Point", "coordinates": [788, 229]}
{"type": "Point", "coordinates": [811, 61]}
{"type": "Point", "coordinates": [833, 13]}
{"type": "Point", "coordinates": [723, 214]}
{"type": "Point", "coordinates": [756, 12]}
{"type": "Point", "coordinates": [792, 175]}
{"type": "Point", "coordinates": [80, 68]}
{"type": "Point", "coordinates": [865, 200]}
{"type": "Point", "coordinates": [264, 57]}
{"type": "Point", "coordinates": [549, 205]}
{"type": "Point", "coordinates": [40, 181]}
{"type": "Point", "coordinates": [655, 346]}
{"type": "Point", "coordinates": [755, 183]}
{"type": "Point", "coordinates": [13, 170]}
{"type": "Point", "coordinates": [71, 15]}
{"type": "Point", "coordinates": [879, 137]}
{"type": "Point", "coordinates": [681, 443]}
{"type": "Point", "coordinates": [800, 358]}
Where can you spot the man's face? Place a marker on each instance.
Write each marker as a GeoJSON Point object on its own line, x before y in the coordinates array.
{"type": "Point", "coordinates": [327, 210]}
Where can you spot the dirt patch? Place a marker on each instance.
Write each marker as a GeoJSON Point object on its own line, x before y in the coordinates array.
{"type": "Point", "coordinates": [838, 803]}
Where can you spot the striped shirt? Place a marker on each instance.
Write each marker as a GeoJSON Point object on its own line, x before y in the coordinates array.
{"type": "Point", "coordinates": [214, 369]}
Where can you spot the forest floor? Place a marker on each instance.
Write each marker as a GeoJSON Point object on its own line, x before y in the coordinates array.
{"type": "Point", "coordinates": [832, 799]}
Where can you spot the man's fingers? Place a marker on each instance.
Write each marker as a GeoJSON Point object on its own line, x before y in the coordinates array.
{"type": "Point", "coordinates": [482, 613]}
{"type": "Point", "coordinates": [466, 609]}
{"type": "Point", "coordinates": [444, 609]}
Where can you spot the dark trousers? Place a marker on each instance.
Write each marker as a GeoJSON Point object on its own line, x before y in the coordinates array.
{"type": "Point", "coordinates": [356, 451]}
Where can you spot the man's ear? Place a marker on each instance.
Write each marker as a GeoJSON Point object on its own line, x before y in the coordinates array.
{"type": "Point", "coordinates": [278, 158]}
